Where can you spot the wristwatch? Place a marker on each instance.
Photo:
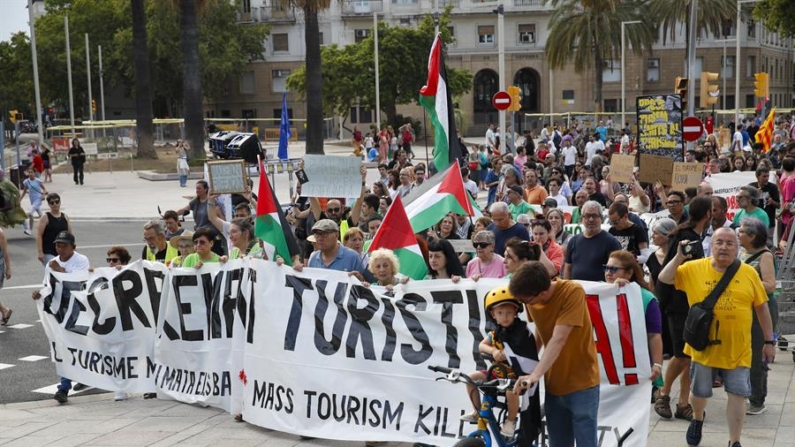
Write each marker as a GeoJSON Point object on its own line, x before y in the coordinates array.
{"type": "Point", "coordinates": [770, 342]}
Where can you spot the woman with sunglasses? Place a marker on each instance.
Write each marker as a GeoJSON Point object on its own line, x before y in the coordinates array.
{"type": "Point", "coordinates": [551, 253]}
{"type": "Point", "coordinates": [184, 244]}
{"type": "Point", "coordinates": [621, 269]}
{"type": "Point", "coordinates": [442, 261]}
{"type": "Point", "coordinates": [203, 240]}
{"type": "Point", "coordinates": [52, 223]}
{"type": "Point", "coordinates": [517, 252]}
{"type": "Point", "coordinates": [486, 264]}
{"type": "Point", "coordinates": [117, 258]}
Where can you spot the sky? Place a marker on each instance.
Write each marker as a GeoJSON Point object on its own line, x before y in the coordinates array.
{"type": "Point", "coordinates": [13, 18]}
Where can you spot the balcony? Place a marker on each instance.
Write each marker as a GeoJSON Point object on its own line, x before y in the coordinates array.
{"type": "Point", "coordinates": [454, 3]}
{"type": "Point", "coordinates": [273, 14]}
{"type": "Point", "coordinates": [528, 3]}
{"type": "Point", "coordinates": [361, 7]}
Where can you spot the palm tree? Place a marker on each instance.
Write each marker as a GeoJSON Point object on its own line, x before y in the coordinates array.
{"type": "Point", "coordinates": [143, 85]}
{"type": "Point", "coordinates": [314, 75]}
{"type": "Point", "coordinates": [712, 16]}
{"type": "Point", "coordinates": [191, 78]}
{"type": "Point", "coordinates": [589, 32]}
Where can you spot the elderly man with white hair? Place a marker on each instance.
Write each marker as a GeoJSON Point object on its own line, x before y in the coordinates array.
{"type": "Point", "coordinates": [504, 227]}
{"type": "Point", "coordinates": [587, 253]}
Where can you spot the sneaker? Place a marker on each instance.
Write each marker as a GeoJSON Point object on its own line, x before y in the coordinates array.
{"type": "Point", "coordinates": [735, 444]}
{"type": "Point", "coordinates": [508, 428]}
{"type": "Point", "coordinates": [150, 395]}
{"type": "Point", "coordinates": [693, 435]}
{"type": "Point", "coordinates": [755, 409]}
{"type": "Point", "coordinates": [662, 406]}
{"type": "Point", "coordinates": [684, 412]}
{"type": "Point", "coordinates": [27, 232]}
{"type": "Point", "coordinates": [79, 386]}
{"type": "Point", "coordinates": [119, 396]}
{"type": "Point", "coordinates": [61, 396]}
{"type": "Point", "coordinates": [472, 418]}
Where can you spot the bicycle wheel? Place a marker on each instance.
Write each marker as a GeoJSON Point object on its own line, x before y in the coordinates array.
{"type": "Point", "coordinates": [470, 442]}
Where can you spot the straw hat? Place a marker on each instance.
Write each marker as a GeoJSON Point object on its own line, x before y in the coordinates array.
{"type": "Point", "coordinates": [186, 235]}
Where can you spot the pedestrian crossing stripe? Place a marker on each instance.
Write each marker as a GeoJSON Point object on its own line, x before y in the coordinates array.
{"type": "Point", "coordinates": [20, 326]}
{"type": "Point", "coordinates": [33, 358]}
{"type": "Point", "coordinates": [5, 366]}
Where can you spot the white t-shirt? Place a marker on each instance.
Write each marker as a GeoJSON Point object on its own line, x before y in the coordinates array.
{"type": "Point", "coordinates": [625, 143]}
{"type": "Point", "coordinates": [569, 155]}
{"type": "Point", "coordinates": [544, 135]}
{"type": "Point", "coordinates": [489, 137]}
{"type": "Point", "coordinates": [562, 202]}
{"type": "Point", "coordinates": [76, 263]}
{"type": "Point", "coordinates": [472, 187]}
{"type": "Point", "coordinates": [737, 140]}
{"type": "Point", "coordinates": [591, 148]}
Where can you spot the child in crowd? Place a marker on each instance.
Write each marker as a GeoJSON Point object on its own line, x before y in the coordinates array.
{"type": "Point", "coordinates": [34, 188]}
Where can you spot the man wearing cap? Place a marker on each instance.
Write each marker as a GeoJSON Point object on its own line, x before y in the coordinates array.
{"type": "Point", "coordinates": [67, 261]}
{"type": "Point", "coordinates": [516, 203]}
{"type": "Point", "coordinates": [331, 254]}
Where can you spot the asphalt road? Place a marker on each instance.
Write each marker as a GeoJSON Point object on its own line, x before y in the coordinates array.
{"type": "Point", "coordinates": [26, 372]}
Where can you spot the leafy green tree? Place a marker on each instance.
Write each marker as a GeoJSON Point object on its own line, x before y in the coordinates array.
{"type": "Point", "coordinates": [712, 16]}
{"type": "Point", "coordinates": [589, 32]}
{"type": "Point", "coordinates": [777, 15]}
{"type": "Point", "coordinates": [16, 71]}
{"type": "Point", "coordinates": [143, 84]}
{"type": "Point", "coordinates": [401, 72]}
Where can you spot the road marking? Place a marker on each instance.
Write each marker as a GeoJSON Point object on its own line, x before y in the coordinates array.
{"type": "Point", "coordinates": [5, 366]}
{"type": "Point", "coordinates": [33, 358]}
{"type": "Point", "coordinates": [53, 388]}
{"type": "Point", "coordinates": [20, 326]}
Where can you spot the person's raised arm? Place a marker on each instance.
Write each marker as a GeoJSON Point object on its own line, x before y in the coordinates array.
{"type": "Point", "coordinates": [314, 206]}
{"type": "Point", "coordinates": [644, 198]}
{"type": "Point", "coordinates": [213, 214]}
{"type": "Point", "coordinates": [668, 273]}
{"type": "Point", "coordinates": [356, 211]}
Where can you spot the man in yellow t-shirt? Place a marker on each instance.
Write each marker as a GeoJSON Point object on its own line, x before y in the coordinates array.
{"type": "Point", "coordinates": [731, 325]}
{"type": "Point", "coordinates": [569, 364]}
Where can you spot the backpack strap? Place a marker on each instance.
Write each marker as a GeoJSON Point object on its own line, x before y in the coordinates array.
{"type": "Point", "coordinates": [712, 298]}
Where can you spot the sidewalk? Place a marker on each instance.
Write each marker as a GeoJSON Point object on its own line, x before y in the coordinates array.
{"type": "Point", "coordinates": [97, 420]}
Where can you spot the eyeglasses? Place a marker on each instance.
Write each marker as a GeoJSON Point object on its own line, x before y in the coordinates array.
{"type": "Point", "coordinates": [54, 201]}
{"type": "Point", "coordinates": [742, 196]}
{"type": "Point", "coordinates": [333, 210]}
{"type": "Point", "coordinates": [481, 244]}
{"type": "Point", "coordinates": [673, 202]}
{"type": "Point", "coordinates": [200, 242]}
{"type": "Point", "coordinates": [112, 260]}
{"type": "Point", "coordinates": [591, 216]}
{"type": "Point", "coordinates": [611, 269]}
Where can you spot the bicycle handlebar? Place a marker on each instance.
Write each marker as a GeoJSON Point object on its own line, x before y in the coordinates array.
{"type": "Point", "coordinates": [455, 376]}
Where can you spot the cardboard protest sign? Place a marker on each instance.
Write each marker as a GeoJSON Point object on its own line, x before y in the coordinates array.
{"type": "Point", "coordinates": [332, 176]}
{"type": "Point", "coordinates": [622, 168]}
{"type": "Point", "coordinates": [686, 175]}
{"type": "Point", "coordinates": [227, 176]}
{"type": "Point", "coordinates": [654, 168]}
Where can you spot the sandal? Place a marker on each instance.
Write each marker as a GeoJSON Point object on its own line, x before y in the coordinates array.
{"type": "Point", "coordinates": [6, 317]}
{"type": "Point", "coordinates": [662, 406]}
{"type": "Point", "coordinates": [238, 418]}
{"type": "Point", "coordinates": [684, 412]}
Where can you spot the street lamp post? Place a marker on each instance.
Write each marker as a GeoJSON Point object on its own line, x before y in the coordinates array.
{"type": "Point", "coordinates": [377, 76]}
{"type": "Point", "coordinates": [35, 56]}
{"type": "Point", "coordinates": [500, 11]}
{"type": "Point", "coordinates": [623, 78]}
{"type": "Point", "coordinates": [737, 63]}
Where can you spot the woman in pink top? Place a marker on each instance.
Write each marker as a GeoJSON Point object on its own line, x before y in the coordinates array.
{"type": "Point", "coordinates": [552, 253]}
{"type": "Point", "coordinates": [487, 264]}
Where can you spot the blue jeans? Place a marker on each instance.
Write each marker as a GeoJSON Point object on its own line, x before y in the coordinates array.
{"type": "Point", "coordinates": [66, 384]}
{"type": "Point", "coordinates": [572, 417]}
{"type": "Point", "coordinates": [183, 180]}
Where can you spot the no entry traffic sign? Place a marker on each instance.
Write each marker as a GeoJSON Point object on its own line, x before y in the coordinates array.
{"type": "Point", "coordinates": [501, 100]}
{"type": "Point", "coordinates": [692, 128]}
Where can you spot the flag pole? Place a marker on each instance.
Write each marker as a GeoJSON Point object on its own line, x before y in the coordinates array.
{"type": "Point", "coordinates": [425, 129]}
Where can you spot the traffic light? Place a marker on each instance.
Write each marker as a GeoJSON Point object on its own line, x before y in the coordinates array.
{"type": "Point", "coordinates": [13, 115]}
{"type": "Point", "coordinates": [94, 105]}
{"type": "Point", "coordinates": [680, 88]}
{"type": "Point", "coordinates": [709, 91]}
{"type": "Point", "coordinates": [761, 84]}
{"type": "Point", "coordinates": [516, 98]}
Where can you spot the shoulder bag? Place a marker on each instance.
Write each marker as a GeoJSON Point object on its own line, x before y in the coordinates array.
{"type": "Point", "coordinates": [700, 316]}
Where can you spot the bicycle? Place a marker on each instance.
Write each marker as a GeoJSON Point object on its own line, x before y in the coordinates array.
{"type": "Point", "coordinates": [487, 423]}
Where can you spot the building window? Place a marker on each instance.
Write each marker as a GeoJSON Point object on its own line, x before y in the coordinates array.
{"type": "Point", "coordinates": [527, 33]}
{"type": "Point", "coordinates": [486, 34]}
{"type": "Point", "coordinates": [226, 114]}
{"type": "Point", "coordinates": [728, 67]}
{"type": "Point", "coordinates": [279, 82]}
{"type": "Point", "coordinates": [698, 68]}
{"type": "Point", "coordinates": [729, 102]}
{"type": "Point", "coordinates": [485, 85]}
{"type": "Point", "coordinates": [277, 114]}
{"type": "Point", "coordinates": [750, 101]}
{"type": "Point", "coordinates": [750, 66]}
{"type": "Point", "coordinates": [611, 70]}
{"type": "Point", "coordinates": [653, 70]}
{"type": "Point", "coordinates": [568, 97]}
{"type": "Point", "coordinates": [280, 42]}
{"type": "Point", "coordinates": [246, 6]}
{"type": "Point", "coordinates": [727, 28]}
{"type": "Point", "coordinates": [752, 29]}
{"type": "Point", "coordinates": [320, 38]}
{"type": "Point", "coordinates": [360, 34]}
{"type": "Point", "coordinates": [361, 115]}
{"type": "Point", "coordinates": [249, 113]}
{"type": "Point", "coordinates": [247, 83]}
{"type": "Point", "coordinates": [611, 105]}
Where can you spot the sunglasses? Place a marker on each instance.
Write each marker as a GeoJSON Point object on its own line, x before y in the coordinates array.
{"type": "Point", "coordinates": [54, 201]}
{"type": "Point", "coordinates": [481, 244]}
{"type": "Point", "coordinates": [112, 260]}
{"type": "Point", "coordinates": [200, 242]}
{"type": "Point", "coordinates": [333, 210]}
{"type": "Point", "coordinates": [611, 269]}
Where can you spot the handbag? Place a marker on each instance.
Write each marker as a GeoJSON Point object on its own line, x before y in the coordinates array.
{"type": "Point", "coordinates": [700, 316]}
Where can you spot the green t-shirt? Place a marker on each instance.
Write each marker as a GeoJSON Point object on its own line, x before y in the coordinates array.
{"type": "Point", "coordinates": [192, 259]}
{"type": "Point", "coordinates": [255, 252]}
{"type": "Point", "coordinates": [758, 213]}
{"type": "Point", "coordinates": [522, 208]}
{"type": "Point", "coordinates": [575, 215]}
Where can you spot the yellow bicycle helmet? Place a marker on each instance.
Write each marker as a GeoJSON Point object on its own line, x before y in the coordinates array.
{"type": "Point", "coordinates": [501, 295]}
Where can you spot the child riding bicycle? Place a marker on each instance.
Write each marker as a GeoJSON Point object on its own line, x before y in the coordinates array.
{"type": "Point", "coordinates": [509, 343]}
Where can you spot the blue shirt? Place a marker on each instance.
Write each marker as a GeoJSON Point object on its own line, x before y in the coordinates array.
{"type": "Point", "coordinates": [346, 261]}
{"type": "Point", "coordinates": [35, 189]}
{"type": "Point", "coordinates": [502, 236]}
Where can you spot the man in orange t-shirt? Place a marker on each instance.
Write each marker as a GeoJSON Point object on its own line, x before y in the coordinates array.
{"type": "Point", "coordinates": [569, 363]}
{"type": "Point", "coordinates": [534, 194]}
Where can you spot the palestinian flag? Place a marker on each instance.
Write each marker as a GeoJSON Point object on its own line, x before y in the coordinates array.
{"type": "Point", "coordinates": [436, 197]}
{"type": "Point", "coordinates": [765, 133]}
{"type": "Point", "coordinates": [395, 234]}
{"type": "Point", "coordinates": [435, 97]}
{"type": "Point", "coordinates": [271, 225]}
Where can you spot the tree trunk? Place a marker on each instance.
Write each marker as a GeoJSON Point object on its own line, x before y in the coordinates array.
{"type": "Point", "coordinates": [390, 110]}
{"type": "Point", "coordinates": [314, 81]}
{"type": "Point", "coordinates": [143, 85]}
{"type": "Point", "coordinates": [597, 85]}
{"type": "Point", "coordinates": [191, 79]}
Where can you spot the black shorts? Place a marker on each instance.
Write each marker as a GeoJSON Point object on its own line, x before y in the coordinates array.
{"type": "Point", "coordinates": [676, 328]}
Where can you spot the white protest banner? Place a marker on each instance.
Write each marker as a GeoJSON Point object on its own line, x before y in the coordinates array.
{"type": "Point", "coordinates": [102, 326]}
{"type": "Point", "coordinates": [194, 350]}
{"type": "Point", "coordinates": [345, 362]}
{"type": "Point", "coordinates": [727, 185]}
{"type": "Point", "coordinates": [332, 176]}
